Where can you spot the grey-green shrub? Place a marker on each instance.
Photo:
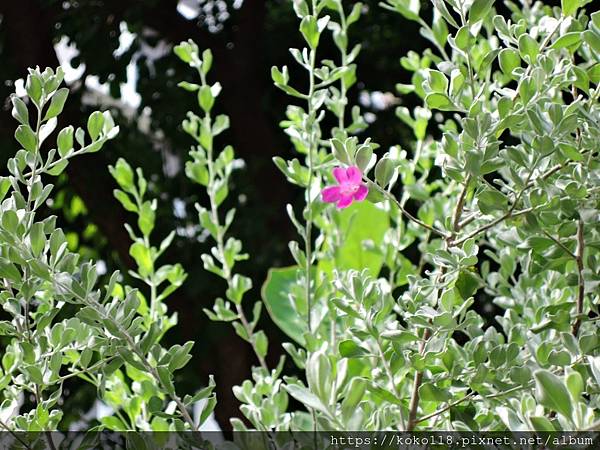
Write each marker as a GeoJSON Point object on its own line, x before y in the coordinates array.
{"type": "Point", "coordinates": [62, 324]}
{"type": "Point", "coordinates": [509, 116]}
{"type": "Point", "coordinates": [514, 220]}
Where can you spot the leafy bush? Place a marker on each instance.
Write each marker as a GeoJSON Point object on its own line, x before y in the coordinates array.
{"type": "Point", "coordinates": [498, 194]}
{"type": "Point", "coordinates": [386, 342]}
{"type": "Point", "coordinates": [62, 324]}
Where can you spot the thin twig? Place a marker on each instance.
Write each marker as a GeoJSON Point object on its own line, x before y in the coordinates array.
{"type": "Point", "coordinates": [47, 434]}
{"type": "Point", "coordinates": [414, 398]}
{"type": "Point", "coordinates": [472, 395]}
{"type": "Point", "coordinates": [90, 369]}
{"type": "Point", "coordinates": [553, 170]}
{"type": "Point", "coordinates": [15, 435]}
{"type": "Point", "coordinates": [502, 218]}
{"type": "Point", "coordinates": [528, 185]}
{"type": "Point", "coordinates": [580, 281]}
{"type": "Point", "coordinates": [250, 331]}
{"type": "Point", "coordinates": [560, 244]}
{"type": "Point", "coordinates": [486, 227]}
{"type": "Point", "coordinates": [445, 408]}
{"type": "Point", "coordinates": [152, 370]}
{"type": "Point", "coordinates": [137, 351]}
{"type": "Point", "coordinates": [390, 375]}
{"type": "Point", "coordinates": [312, 145]}
{"type": "Point", "coordinates": [593, 427]}
{"type": "Point", "coordinates": [220, 236]}
{"type": "Point", "coordinates": [460, 205]}
{"type": "Point", "coordinates": [509, 391]}
{"type": "Point", "coordinates": [406, 214]}
{"type": "Point", "coordinates": [543, 45]}
{"type": "Point", "coordinates": [456, 215]}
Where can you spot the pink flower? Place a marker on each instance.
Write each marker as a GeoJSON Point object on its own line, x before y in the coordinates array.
{"type": "Point", "coordinates": [350, 187]}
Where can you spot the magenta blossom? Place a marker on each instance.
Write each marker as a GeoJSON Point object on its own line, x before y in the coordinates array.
{"type": "Point", "coordinates": [350, 187]}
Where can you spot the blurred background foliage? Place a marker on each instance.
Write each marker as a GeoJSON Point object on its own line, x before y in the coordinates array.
{"type": "Point", "coordinates": [118, 56]}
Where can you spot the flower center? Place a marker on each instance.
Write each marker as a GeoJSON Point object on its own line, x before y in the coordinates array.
{"type": "Point", "coordinates": [348, 188]}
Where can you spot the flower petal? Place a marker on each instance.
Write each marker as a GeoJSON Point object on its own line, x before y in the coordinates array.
{"type": "Point", "coordinates": [354, 174]}
{"type": "Point", "coordinates": [331, 194]}
{"type": "Point", "coordinates": [345, 201]}
{"type": "Point", "coordinates": [340, 174]}
{"type": "Point", "coordinates": [361, 193]}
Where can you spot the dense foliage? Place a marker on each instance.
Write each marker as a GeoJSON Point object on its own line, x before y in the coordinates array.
{"type": "Point", "coordinates": [103, 44]}
{"type": "Point", "coordinates": [110, 337]}
{"type": "Point", "coordinates": [498, 193]}
{"type": "Point", "coordinates": [386, 343]}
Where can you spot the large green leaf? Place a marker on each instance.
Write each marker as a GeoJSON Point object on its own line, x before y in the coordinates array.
{"type": "Point", "coordinates": [361, 223]}
{"type": "Point", "coordinates": [552, 393]}
{"type": "Point", "coordinates": [358, 223]}
{"type": "Point", "coordinates": [279, 284]}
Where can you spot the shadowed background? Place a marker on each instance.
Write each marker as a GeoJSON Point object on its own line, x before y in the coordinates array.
{"type": "Point", "coordinates": [118, 55]}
